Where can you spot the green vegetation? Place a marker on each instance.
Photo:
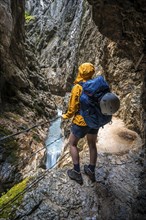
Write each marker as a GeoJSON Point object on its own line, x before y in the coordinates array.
{"type": "Point", "coordinates": [28, 17]}
{"type": "Point", "coordinates": [11, 194]}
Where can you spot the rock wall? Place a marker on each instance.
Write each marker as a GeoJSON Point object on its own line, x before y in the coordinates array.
{"type": "Point", "coordinates": [111, 35]}
{"type": "Point", "coordinates": [25, 99]}
{"type": "Point", "coordinates": [12, 48]}
{"type": "Point", "coordinates": [55, 33]}
{"type": "Point", "coordinates": [123, 26]}
{"type": "Point", "coordinates": [21, 84]}
{"type": "Point", "coordinates": [64, 35]}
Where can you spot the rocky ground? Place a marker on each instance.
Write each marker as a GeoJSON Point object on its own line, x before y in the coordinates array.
{"type": "Point", "coordinates": [114, 195]}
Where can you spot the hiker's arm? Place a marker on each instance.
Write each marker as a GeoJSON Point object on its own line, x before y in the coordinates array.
{"type": "Point", "coordinates": [73, 103]}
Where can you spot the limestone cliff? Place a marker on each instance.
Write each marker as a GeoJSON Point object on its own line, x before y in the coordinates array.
{"type": "Point", "coordinates": [61, 34]}
{"type": "Point", "coordinates": [21, 84]}
{"type": "Point", "coordinates": [25, 99]}
{"type": "Point", "coordinates": [123, 26]}
{"type": "Point", "coordinates": [110, 35]}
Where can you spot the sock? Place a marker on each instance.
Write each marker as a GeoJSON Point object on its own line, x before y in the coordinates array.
{"type": "Point", "coordinates": [91, 167]}
{"type": "Point", "coordinates": [77, 167]}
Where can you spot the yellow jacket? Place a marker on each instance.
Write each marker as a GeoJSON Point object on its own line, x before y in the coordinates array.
{"type": "Point", "coordinates": [85, 72]}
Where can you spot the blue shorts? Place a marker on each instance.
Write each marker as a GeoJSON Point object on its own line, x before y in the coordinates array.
{"type": "Point", "coordinates": [81, 131]}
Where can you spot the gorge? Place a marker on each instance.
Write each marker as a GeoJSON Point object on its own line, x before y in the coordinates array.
{"type": "Point", "coordinates": [42, 43]}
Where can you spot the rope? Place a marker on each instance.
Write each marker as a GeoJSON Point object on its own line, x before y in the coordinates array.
{"type": "Point", "coordinates": [34, 182]}
{"type": "Point", "coordinates": [28, 129]}
{"type": "Point", "coordinates": [33, 154]}
{"type": "Point", "coordinates": [27, 158]}
{"type": "Point", "coordinates": [10, 202]}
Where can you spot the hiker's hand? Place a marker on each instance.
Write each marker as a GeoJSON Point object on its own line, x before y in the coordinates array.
{"type": "Point", "coordinates": [64, 116]}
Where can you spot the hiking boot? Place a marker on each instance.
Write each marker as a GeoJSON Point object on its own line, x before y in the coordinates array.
{"type": "Point", "coordinates": [89, 173]}
{"type": "Point", "coordinates": [74, 175]}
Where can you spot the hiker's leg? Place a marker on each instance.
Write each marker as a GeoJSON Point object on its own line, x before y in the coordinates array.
{"type": "Point", "coordinates": [75, 174]}
{"type": "Point", "coordinates": [91, 138]}
{"type": "Point", "coordinates": [90, 169]}
{"type": "Point", "coordinates": [77, 132]}
{"type": "Point", "coordinates": [73, 141]}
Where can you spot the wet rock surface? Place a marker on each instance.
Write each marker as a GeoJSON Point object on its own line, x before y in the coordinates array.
{"type": "Point", "coordinates": [25, 99]}
{"type": "Point", "coordinates": [114, 195]}
{"type": "Point", "coordinates": [55, 34]}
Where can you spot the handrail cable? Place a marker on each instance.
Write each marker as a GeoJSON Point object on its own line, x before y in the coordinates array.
{"type": "Point", "coordinates": [27, 188]}
{"type": "Point", "coordinates": [33, 154]}
{"type": "Point", "coordinates": [28, 129]}
{"type": "Point", "coordinates": [44, 173]}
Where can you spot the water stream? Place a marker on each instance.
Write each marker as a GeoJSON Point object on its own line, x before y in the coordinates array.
{"type": "Point", "coordinates": [54, 137]}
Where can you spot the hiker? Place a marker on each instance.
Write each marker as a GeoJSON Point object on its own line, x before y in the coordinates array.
{"type": "Point", "coordinates": [79, 128]}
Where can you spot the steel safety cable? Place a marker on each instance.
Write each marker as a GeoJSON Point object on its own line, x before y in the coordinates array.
{"type": "Point", "coordinates": [33, 154]}
{"type": "Point", "coordinates": [34, 182]}
{"type": "Point", "coordinates": [41, 176]}
{"type": "Point", "coordinates": [28, 129]}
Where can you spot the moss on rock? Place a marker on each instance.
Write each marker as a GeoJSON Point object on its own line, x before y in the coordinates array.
{"type": "Point", "coordinates": [7, 203]}
{"type": "Point", "coordinates": [28, 17]}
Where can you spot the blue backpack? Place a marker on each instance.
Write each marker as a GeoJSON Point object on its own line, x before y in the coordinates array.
{"type": "Point", "coordinates": [93, 91]}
